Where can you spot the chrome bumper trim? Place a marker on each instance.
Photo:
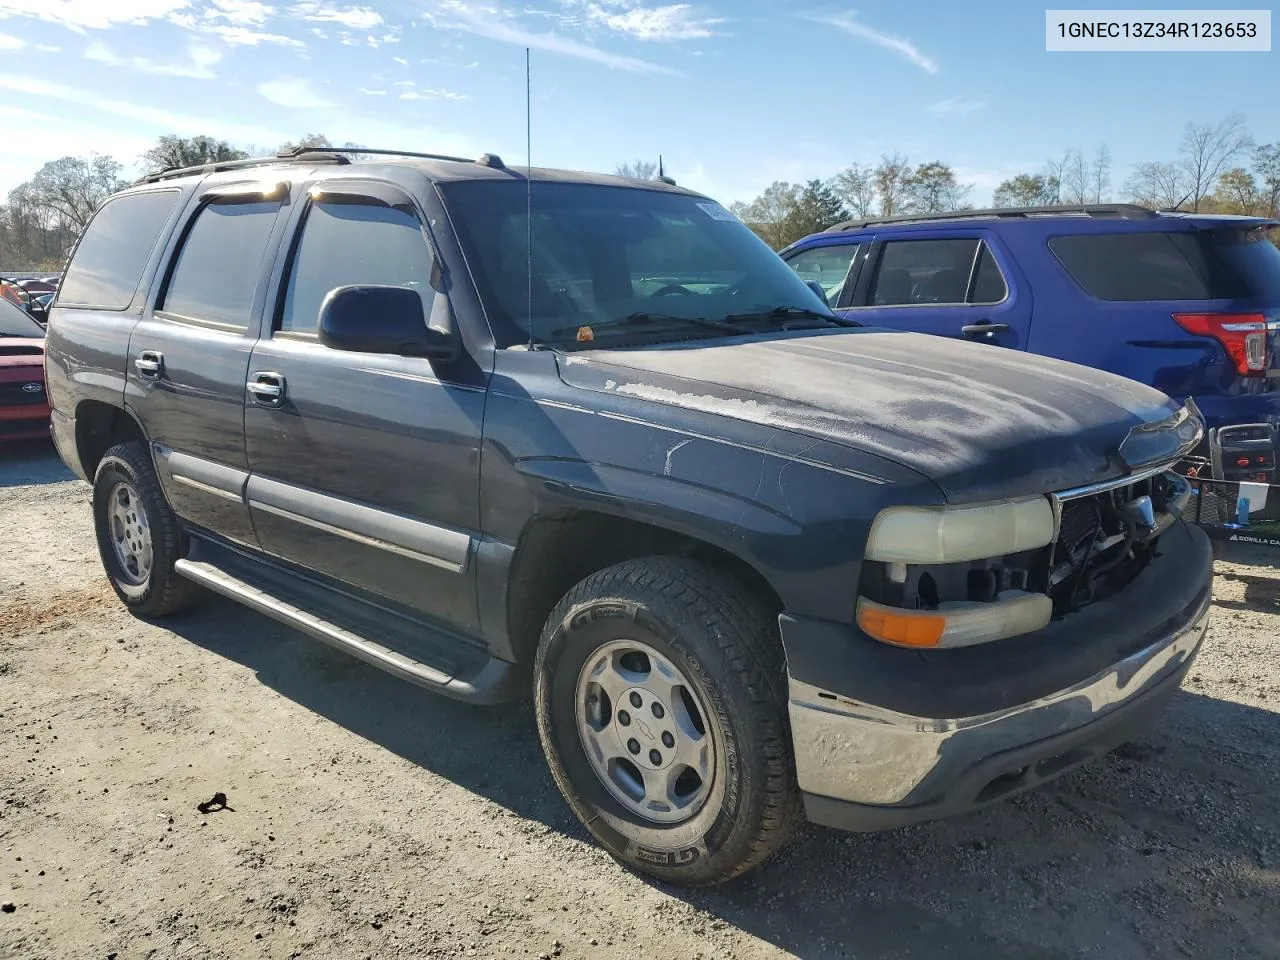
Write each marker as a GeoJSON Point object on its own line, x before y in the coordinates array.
{"type": "Point", "coordinates": [865, 754]}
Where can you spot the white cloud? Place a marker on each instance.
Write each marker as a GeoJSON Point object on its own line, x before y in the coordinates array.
{"type": "Point", "coordinates": [492, 24]}
{"type": "Point", "coordinates": [677, 21]}
{"type": "Point", "coordinates": [293, 94]}
{"type": "Point", "coordinates": [400, 60]}
{"type": "Point", "coordinates": [243, 36]}
{"type": "Point", "coordinates": [899, 45]}
{"type": "Point", "coordinates": [354, 18]}
{"type": "Point", "coordinates": [410, 91]}
{"type": "Point", "coordinates": [47, 48]}
{"type": "Point", "coordinates": [246, 13]}
{"type": "Point", "coordinates": [199, 66]}
{"type": "Point", "coordinates": [83, 15]}
{"type": "Point", "coordinates": [157, 119]}
{"type": "Point", "coordinates": [11, 43]}
{"type": "Point", "coordinates": [956, 107]}
{"type": "Point", "coordinates": [373, 93]}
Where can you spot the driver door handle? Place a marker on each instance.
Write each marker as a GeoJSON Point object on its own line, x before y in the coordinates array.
{"type": "Point", "coordinates": [984, 328]}
{"type": "Point", "coordinates": [266, 389]}
{"type": "Point", "coordinates": [150, 364]}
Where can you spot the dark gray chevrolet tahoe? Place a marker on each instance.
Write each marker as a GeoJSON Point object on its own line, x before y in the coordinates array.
{"type": "Point", "coordinates": [588, 439]}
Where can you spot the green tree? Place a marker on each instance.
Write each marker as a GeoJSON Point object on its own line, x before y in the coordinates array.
{"type": "Point", "coordinates": [1266, 163]}
{"type": "Point", "coordinates": [818, 205]}
{"type": "Point", "coordinates": [311, 141]}
{"type": "Point", "coordinates": [1237, 192]}
{"type": "Point", "coordinates": [1024, 190]}
{"type": "Point", "coordinates": [932, 188]}
{"type": "Point", "coordinates": [769, 214]}
{"type": "Point", "coordinates": [172, 151]}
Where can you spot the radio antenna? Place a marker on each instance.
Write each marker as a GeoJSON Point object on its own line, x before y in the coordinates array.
{"type": "Point", "coordinates": [528, 181]}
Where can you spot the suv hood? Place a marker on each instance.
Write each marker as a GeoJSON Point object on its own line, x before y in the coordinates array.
{"type": "Point", "coordinates": [982, 422]}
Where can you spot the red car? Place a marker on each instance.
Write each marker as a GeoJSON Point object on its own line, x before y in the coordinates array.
{"type": "Point", "coordinates": [24, 407]}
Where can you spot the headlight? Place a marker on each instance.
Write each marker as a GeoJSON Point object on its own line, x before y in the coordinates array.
{"type": "Point", "coordinates": [955, 534]}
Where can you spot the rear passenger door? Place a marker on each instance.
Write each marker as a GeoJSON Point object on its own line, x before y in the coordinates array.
{"type": "Point", "coordinates": [365, 467]}
{"type": "Point", "coordinates": [961, 285]}
{"type": "Point", "coordinates": [189, 354]}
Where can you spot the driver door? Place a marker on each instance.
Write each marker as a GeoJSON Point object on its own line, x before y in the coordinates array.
{"type": "Point", "coordinates": [364, 467]}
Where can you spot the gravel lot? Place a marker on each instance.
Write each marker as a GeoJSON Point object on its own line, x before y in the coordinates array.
{"type": "Point", "coordinates": [371, 819]}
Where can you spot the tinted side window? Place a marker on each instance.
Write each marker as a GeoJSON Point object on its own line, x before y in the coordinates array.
{"type": "Point", "coordinates": [352, 243]}
{"type": "Point", "coordinates": [114, 250]}
{"type": "Point", "coordinates": [988, 281]}
{"type": "Point", "coordinates": [924, 271]}
{"type": "Point", "coordinates": [220, 263]}
{"type": "Point", "coordinates": [828, 265]}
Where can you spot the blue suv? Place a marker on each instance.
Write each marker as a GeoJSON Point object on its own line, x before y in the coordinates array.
{"type": "Point", "coordinates": [1187, 303]}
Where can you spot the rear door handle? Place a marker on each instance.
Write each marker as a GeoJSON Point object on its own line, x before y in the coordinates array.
{"type": "Point", "coordinates": [984, 328]}
{"type": "Point", "coordinates": [150, 364]}
{"type": "Point", "coordinates": [267, 389]}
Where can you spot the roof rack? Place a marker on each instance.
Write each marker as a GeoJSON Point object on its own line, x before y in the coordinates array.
{"type": "Point", "coordinates": [335, 155]}
{"type": "Point", "coordinates": [1117, 211]}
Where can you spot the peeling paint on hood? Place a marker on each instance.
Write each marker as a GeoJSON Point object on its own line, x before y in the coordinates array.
{"type": "Point", "coordinates": [983, 422]}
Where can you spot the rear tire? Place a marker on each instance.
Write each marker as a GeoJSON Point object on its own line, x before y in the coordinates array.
{"type": "Point", "coordinates": [699, 786]}
{"type": "Point", "coordinates": [139, 537]}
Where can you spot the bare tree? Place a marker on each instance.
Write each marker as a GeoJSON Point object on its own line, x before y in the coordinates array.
{"type": "Point", "coordinates": [890, 181]}
{"type": "Point", "coordinates": [73, 187]}
{"type": "Point", "coordinates": [1157, 185]}
{"type": "Point", "coordinates": [1209, 149]}
{"type": "Point", "coordinates": [637, 170]}
{"type": "Point", "coordinates": [856, 186]}
{"type": "Point", "coordinates": [1102, 174]}
{"type": "Point", "coordinates": [1073, 175]}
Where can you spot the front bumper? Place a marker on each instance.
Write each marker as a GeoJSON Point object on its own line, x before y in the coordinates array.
{"type": "Point", "coordinates": [867, 767]}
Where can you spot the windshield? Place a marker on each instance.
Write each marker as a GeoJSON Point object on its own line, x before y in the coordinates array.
{"type": "Point", "coordinates": [610, 258]}
{"type": "Point", "coordinates": [15, 323]}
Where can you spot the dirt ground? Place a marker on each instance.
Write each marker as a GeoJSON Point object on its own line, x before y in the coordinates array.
{"type": "Point", "coordinates": [369, 819]}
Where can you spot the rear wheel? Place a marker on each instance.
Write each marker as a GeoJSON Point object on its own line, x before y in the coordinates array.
{"type": "Point", "coordinates": [661, 705]}
{"type": "Point", "coordinates": [139, 537]}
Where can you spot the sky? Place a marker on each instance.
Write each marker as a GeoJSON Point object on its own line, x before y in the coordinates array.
{"type": "Point", "coordinates": [734, 94]}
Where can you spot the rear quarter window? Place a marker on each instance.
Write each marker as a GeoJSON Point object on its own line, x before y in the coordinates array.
{"type": "Point", "coordinates": [108, 262]}
{"type": "Point", "coordinates": [1224, 264]}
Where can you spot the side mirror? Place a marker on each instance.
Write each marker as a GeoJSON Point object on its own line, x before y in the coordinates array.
{"type": "Point", "coordinates": [385, 319]}
{"type": "Point", "coordinates": [820, 290]}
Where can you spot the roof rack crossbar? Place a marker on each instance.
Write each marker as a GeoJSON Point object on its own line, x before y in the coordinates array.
{"type": "Point", "coordinates": [1120, 211]}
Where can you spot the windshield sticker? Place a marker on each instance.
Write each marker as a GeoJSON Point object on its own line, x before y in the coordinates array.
{"type": "Point", "coordinates": [716, 212]}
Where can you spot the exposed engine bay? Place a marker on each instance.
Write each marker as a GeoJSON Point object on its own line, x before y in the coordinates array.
{"type": "Point", "coordinates": [1104, 541]}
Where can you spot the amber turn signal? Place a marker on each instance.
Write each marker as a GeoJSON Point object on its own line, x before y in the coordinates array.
{"type": "Point", "coordinates": [902, 627]}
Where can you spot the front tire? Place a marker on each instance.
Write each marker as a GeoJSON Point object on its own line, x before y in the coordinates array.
{"type": "Point", "coordinates": [139, 537]}
{"type": "Point", "coordinates": [660, 691]}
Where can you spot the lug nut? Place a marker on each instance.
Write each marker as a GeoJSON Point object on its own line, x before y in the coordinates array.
{"type": "Point", "coordinates": [624, 718]}
{"type": "Point", "coordinates": [633, 745]}
{"type": "Point", "coordinates": [658, 712]}
{"type": "Point", "coordinates": [636, 700]}
{"type": "Point", "coordinates": [668, 740]}
{"type": "Point", "coordinates": [655, 758]}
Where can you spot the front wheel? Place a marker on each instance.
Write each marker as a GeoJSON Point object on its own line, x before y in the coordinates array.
{"type": "Point", "coordinates": [661, 706]}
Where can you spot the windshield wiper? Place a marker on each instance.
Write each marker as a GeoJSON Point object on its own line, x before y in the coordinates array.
{"type": "Point", "coordinates": [787, 313]}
